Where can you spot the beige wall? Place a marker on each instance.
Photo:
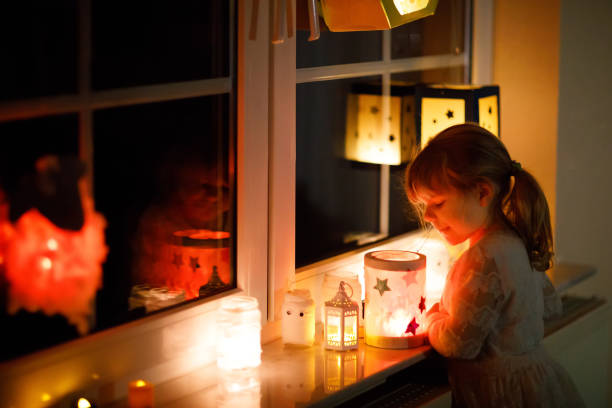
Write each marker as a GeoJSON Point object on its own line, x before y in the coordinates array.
{"type": "Point", "coordinates": [526, 67]}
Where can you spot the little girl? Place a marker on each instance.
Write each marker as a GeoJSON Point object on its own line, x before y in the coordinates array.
{"type": "Point", "coordinates": [490, 320]}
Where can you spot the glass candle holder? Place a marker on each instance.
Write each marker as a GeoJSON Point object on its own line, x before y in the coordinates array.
{"type": "Point", "coordinates": [238, 333]}
{"type": "Point", "coordinates": [395, 299]}
{"type": "Point", "coordinates": [298, 320]}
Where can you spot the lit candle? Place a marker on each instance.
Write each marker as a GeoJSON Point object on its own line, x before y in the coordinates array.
{"type": "Point", "coordinates": [238, 333]}
{"type": "Point", "coordinates": [140, 394]}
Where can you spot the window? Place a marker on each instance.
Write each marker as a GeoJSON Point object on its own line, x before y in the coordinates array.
{"type": "Point", "coordinates": [145, 96]}
{"type": "Point", "coordinates": [341, 203]}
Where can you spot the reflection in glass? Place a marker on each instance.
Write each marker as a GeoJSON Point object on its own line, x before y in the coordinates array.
{"type": "Point", "coordinates": [164, 182]}
{"type": "Point", "coordinates": [340, 370]}
{"type": "Point", "coordinates": [337, 48]}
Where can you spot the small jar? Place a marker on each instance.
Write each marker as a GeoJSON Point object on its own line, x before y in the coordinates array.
{"type": "Point", "coordinates": [298, 318]}
{"type": "Point", "coordinates": [238, 333]}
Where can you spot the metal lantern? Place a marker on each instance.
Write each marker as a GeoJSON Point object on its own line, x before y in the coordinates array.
{"type": "Point", "coordinates": [341, 321]}
{"type": "Point", "coordinates": [441, 106]}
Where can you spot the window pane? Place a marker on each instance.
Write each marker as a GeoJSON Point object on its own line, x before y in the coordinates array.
{"type": "Point", "coordinates": [450, 75]}
{"type": "Point", "coordinates": [38, 44]}
{"type": "Point", "coordinates": [164, 181]}
{"type": "Point", "coordinates": [146, 43]}
{"type": "Point", "coordinates": [338, 48]}
{"type": "Point", "coordinates": [336, 198]}
{"type": "Point", "coordinates": [442, 33]}
{"type": "Point", "coordinates": [24, 142]}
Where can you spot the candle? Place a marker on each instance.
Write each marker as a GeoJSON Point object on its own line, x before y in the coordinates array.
{"type": "Point", "coordinates": [140, 394]}
{"type": "Point", "coordinates": [238, 333]}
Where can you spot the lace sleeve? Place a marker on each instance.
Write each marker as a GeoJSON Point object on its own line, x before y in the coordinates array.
{"type": "Point", "coordinates": [552, 301]}
{"type": "Point", "coordinates": [472, 311]}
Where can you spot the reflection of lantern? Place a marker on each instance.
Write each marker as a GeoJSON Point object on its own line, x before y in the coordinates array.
{"type": "Point", "coordinates": [192, 257]}
{"type": "Point", "coordinates": [238, 333]}
{"type": "Point", "coordinates": [441, 106]}
{"type": "Point", "coordinates": [340, 370]}
{"type": "Point", "coordinates": [341, 321]}
{"type": "Point", "coordinates": [395, 298]}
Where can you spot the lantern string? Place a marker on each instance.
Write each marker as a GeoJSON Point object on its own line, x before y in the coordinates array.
{"type": "Point", "coordinates": [428, 228]}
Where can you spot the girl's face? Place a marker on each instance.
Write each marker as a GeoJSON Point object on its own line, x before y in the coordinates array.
{"type": "Point", "coordinates": [458, 215]}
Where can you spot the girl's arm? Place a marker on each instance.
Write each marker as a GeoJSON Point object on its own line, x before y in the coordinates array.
{"type": "Point", "coordinates": [475, 304]}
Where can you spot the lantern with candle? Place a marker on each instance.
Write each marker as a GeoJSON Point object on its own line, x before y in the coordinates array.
{"type": "Point", "coordinates": [298, 320]}
{"type": "Point", "coordinates": [238, 333]}
{"type": "Point", "coordinates": [395, 298]}
{"type": "Point", "coordinates": [341, 320]}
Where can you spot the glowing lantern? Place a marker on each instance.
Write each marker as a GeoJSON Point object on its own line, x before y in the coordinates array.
{"type": "Point", "coordinates": [340, 370]}
{"type": "Point", "coordinates": [373, 136]}
{"type": "Point", "coordinates": [441, 106]}
{"type": "Point", "coordinates": [140, 394]}
{"type": "Point", "coordinates": [298, 320]}
{"type": "Point", "coordinates": [350, 15]}
{"type": "Point", "coordinates": [341, 321]}
{"type": "Point", "coordinates": [238, 333]}
{"type": "Point", "coordinates": [395, 298]}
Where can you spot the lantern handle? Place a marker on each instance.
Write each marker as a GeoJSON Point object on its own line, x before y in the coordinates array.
{"type": "Point", "coordinates": [342, 284]}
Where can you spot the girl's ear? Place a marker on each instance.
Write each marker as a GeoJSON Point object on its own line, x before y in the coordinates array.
{"type": "Point", "coordinates": [485, 193]}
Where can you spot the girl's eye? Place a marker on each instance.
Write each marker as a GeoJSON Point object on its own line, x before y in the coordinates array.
{"type": "Point", "coordinates": [439, 204]}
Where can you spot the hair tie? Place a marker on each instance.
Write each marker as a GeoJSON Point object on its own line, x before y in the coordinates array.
{"type": "Point", "coordinates": [516, 167]}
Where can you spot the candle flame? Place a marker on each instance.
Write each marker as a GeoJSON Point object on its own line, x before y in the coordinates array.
{"type": "Point", "coordinates": [52, 244]}
{"type": "Point", "coordinates": [83, 403]}
{"type": "Point", "coordinates": [141, 383]}
{"type": "Point", "coordinates": [46, 263]}
{"type": "Point", "coordinates": [45, 397]}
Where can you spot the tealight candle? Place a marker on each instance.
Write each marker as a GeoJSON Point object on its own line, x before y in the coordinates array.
{"type": "Point", "coordinates": [140, 394]}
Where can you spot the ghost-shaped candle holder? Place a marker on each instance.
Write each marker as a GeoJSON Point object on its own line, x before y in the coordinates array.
{"type": "Point", "coordinates": [394, 299]}
{"type": "Point", "coordinates": [298, 319]}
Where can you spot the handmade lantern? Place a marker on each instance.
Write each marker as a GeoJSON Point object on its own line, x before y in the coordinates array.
{"type": "Point", "coordinates": [441, 106]}
{"type": "Point", "coordinates": [238, 333]}
{"type": "Point", "coordinates": [376, 133]}
{"type": "Point", "coordinates": [367, 15]}
{"type": "Point", "coordinates": [341, 321]}
{"type": "Point", "coordinates": [395, 298]}
{"type": "Point", "coordinates": [340, 370]}
{"type": "Point", "coordinates": [298, 320]}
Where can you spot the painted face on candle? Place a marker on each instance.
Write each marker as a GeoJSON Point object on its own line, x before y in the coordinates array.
{"type": "Point", "coordinates": [457, 215]}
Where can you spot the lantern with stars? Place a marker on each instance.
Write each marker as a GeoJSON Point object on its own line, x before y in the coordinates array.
{"type": "Point", "coordinates": [341, 321]}
{"type": "Point", "coordinates": [394, 299]}
{"type": "Point", "coordinates": [441, 106]}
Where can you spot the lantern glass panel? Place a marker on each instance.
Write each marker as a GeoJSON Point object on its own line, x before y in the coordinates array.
{"type": "Point", "coordinates": [334, 327]}
{"type": "Point", "coordinates": [487, 113]}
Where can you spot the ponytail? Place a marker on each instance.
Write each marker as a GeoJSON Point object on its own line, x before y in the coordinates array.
{"type": "Point", "coordinates": [526, 210]}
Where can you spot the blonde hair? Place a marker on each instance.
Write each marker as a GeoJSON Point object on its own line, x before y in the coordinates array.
{"type": "Point", "coordinates": [464, 155]}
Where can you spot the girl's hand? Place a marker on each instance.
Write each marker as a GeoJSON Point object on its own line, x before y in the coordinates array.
{"type": "Point", "coordinates": [434, 309]}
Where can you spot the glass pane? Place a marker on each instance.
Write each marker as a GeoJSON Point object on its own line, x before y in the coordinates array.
{"type": "Point", "coordinates": [24, 142]}
{"type": "Point", "coordinates": [442, 33]}
{"type": "Point", "coordinates": [336, 198]}
{"type": "Point", "coordinates": [164, 181]}
{"type": "Point", "coordinates": [450, 75]}
{"type": "Point", "coordinates": [38, 44]}
{"type": "Point", "coordinates": [141, 44]}
{"type": "Point", "coordinates": [334, 48]}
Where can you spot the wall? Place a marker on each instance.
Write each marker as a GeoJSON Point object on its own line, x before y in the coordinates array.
{"type": "Point", "coordinates": [526, 67]}
{"type": "Point", "coordinates": [584, 189]}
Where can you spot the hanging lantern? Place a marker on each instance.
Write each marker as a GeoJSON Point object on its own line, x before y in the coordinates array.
{"type": "Point", "coordinates": [395, 299]}
{"type": "Point", "coordinates": [341, 321]}
{"type": "Point", "coordinates": [441, 106]}
{"type": "Point", "coordinates": [238, 333]}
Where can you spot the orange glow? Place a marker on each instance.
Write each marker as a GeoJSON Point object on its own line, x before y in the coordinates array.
{"type": "Point", "coordinates": [45, 397]}
{"type": "Point", "coordinates": [83, 403]}
{"type": "Point", "coordinates": [141, 383]}
{"type": "Point", "coordinates": [37, 246]}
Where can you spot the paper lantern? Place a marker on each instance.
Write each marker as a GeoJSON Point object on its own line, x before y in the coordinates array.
{"type": "Point", "coordinates": [340, 370]}
{"type": "Point", "coordinates": [238, 333]}
{"type": "Point", "coordinates": [441, 106]}
{"type": "Point", "coordinates": [298, 318]}
{"type": "Point", "coordinates": [341, 321]}
{"type": "Point", "coordinates": [374, 137]}
{"type": "Point", "coordinates": [367, 15]}
{"type": "Point", "coordinates": [395, 298]}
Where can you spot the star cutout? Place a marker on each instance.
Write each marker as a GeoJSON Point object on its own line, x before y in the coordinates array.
{"type": "Point", "coordinates": [450, 114]}
{"type": "Point", "coordinates": [435, 121]}
{"type": "Point", "coordinates": [381, 286]}
{"type": "Point", "coordinates": [422, 304]}
{"type": "Point", "coordinates": [178, 260]}
{"type": "Point", "coordinates": [193, 263]}
{"type": "Point", "coordinates": [410, 278]}
{"type": "Point", "coordinates": [490, 110]}
{"type": "Point", "coordinates": [412, 326]}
